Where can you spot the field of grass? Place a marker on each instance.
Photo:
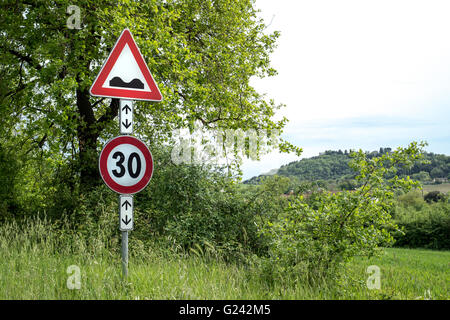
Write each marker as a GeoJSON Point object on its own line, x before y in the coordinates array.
{"type": "Point", "coordinates": [34, 266]}
{"type": "Point", "coordinates": [443, 187]}
{"type": "Point", "coordinates": [408, 274]}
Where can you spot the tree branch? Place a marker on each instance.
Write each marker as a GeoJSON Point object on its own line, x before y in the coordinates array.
{"type": "Point", "coordinates": [111, 113]}
{"type": "Point", "coordinates": [97, 102]}
{"type": "Point", "coordinates": [41, 142]}
{"type": "Point", "coordinates": [25, 58]}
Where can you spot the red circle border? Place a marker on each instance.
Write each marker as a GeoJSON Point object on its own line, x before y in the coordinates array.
{"type": "Point", "coordinates": [109, 146]}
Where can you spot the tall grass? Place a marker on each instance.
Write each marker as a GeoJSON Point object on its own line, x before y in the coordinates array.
{"type": "Point", "coordinates": [408, 274]}
{"type": "Point", "coordinates": [35, 255]}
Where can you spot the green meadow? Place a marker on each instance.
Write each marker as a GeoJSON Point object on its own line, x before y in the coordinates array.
{"type": "Point", "coordinates": [443, 187]}
{"type": "Point", "coordinates": [35, 264]}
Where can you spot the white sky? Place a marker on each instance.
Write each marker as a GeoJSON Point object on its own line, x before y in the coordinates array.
{"type": "Point", "coordinates": [358, 74]}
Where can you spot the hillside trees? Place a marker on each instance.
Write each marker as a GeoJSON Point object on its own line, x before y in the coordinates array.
{"type": "Point", "coordinates": [202, 54]}
{"type": "Point", "coordinates": [333, 165]}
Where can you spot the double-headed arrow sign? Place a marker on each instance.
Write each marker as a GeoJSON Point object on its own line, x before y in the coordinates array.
{"type": "Point", "coordinates": [126, 213]}
{"type": "Point", "coordinates": [126, 116]}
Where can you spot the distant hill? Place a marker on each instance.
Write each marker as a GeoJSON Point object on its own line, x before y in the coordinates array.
{"type": "Point", "coordinates": [333, 165]}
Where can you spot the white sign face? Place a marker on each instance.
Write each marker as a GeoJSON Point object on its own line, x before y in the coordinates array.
{"type": "Point", "coordinates": [126, 213]}
{"type": "Point", "coordinates": [126, 73]}
{"type": "Point", "coordinates": [126, 164]}
{"type": "Point", "coordinates": [126, 116]}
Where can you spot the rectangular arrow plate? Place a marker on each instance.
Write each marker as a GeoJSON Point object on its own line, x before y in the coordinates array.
{"type": "Point", "coordinates": [126, 116]}
{"type": "Point", "coordinates": [125, 212]}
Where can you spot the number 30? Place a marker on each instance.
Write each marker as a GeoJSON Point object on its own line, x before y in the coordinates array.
{"type": "Point", "coordinates": [119, 164]}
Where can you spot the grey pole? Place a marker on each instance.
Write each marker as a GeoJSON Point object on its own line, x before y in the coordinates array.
{"type": "Point", "coordinates": [124, 114]}
{"type": "Point", "coordinates": [125, 254]}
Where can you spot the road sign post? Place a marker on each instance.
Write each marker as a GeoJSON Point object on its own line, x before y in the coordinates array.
{"type": "Point", "coordinates": [125, 225]}
{"type": "Point", "coordinates": [126, 166]}
{"type": "Point", "coordinates": [124, 253]}
{"type": "Point", "coordinates": [125, 163]}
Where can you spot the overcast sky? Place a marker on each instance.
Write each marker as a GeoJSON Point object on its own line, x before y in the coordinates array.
{"type": "Point", "coordinates": [358, 74]}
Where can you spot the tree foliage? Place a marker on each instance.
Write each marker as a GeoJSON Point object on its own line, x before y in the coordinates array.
{"type": "Point", "coordinates": [201, 53]}
{"type": "Point", "coordinates": [316, 235]}
{"type": "Point", "coordinates": [425, 223]}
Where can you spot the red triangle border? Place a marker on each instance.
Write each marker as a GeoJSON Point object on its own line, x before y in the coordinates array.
{"type": "Point", "coordinates": [97, 89]}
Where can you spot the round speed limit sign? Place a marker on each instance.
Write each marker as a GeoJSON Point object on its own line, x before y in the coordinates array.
{"type": "Point", "coordinates": [126, 164]}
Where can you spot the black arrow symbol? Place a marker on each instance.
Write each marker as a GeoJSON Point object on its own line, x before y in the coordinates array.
{"type": "Point", "coordinates": [126, 221]}
{"type": "Point", "coordinates": [126, 108]}
{"type": "Point", "coordinates": [126, 124]}
{"type": "Point", "coordinates": [126, 204]}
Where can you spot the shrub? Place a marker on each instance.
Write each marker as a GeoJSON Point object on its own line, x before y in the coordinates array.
{"type": "Point", "coordinates": [348, 185]}
{"type": "Point", "coordinates": [425, 227]}
{"type": "Point", "coordinates": [314, 237]}
{"type": "Point", "coordinates": [434, 196]}
{"type": "Point", "coordinates": [412, 199]}
{"type": "Point", "coordinates": [187, 206]}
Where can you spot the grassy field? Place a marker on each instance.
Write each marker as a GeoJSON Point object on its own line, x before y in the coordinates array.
{"type": "Point", "coordinates": [408, 274]}
{"type": "Point", "coordinates": [443, 187]}
{"type": "Point", "coordinates": [34, 266]}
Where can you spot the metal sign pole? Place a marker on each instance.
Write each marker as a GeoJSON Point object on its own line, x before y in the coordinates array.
{"type": "Point", "coordinates": [125, 225]}
{"type": "Point", "coordinates": [125, 254]}
{"type": "Point", "coordinates": [126, 127]}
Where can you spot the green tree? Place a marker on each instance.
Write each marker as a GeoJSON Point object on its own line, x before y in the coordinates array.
{"type": "Point", "coordinates": [437, 173]}
{"type": "Point", "coordinates": [421, 176]}
{"type": "Point", "coordinates": [348, 184]}
{"type": "Point", "coordinates": [201, 53]}
{"type": "Point", "coordinates": [316, 235]}
{"type": "Point", "coordinates": [9, 165]}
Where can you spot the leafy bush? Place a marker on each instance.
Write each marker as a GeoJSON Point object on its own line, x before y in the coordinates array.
{"type": "Point", "coordinates": [412, 199]}
{"type": "Point", "coordinates": [348, 185]}
{"type": "Point", "coordinates": [427, 226]}
{"type": "Point", "coordinates": [314, 236]}
{"type": "Point", "coordinates": [187, 206]}
{"type": "Point", "coordinates": [183, 208]}
{"type": "Point", "coordinates": [434, 196]}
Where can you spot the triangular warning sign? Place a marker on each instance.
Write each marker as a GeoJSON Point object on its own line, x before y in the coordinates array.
{"type": "Point", "coordinates": [125, 74]}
